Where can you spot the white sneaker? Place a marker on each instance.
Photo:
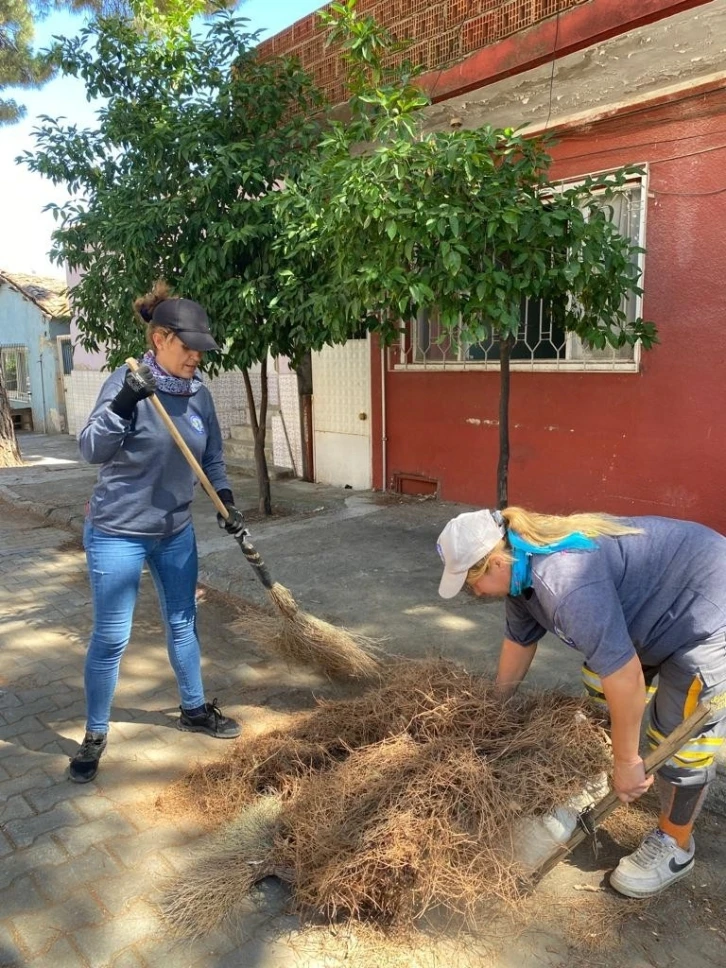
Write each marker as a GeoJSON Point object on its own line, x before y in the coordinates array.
{"type": "Point", "coordinates": [658, 862]}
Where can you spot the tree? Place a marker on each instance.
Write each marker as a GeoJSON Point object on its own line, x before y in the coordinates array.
{"type": "Point", "coordinates": [178, 181]}
{"type": "Point", "coordinates": [21, 66]}
{"type": "Point", "coordinates": [9, 450]}
{"type": "Point", "coordinates": [466, 223]}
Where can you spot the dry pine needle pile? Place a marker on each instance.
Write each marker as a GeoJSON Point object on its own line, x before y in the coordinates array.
{"type": "Point", "coordinates": [387, 806]}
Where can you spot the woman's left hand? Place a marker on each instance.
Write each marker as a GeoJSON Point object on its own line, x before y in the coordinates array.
{"type": "Point", "coordinates": [234, 523]}
{"type": "Point", "coordinates": [629, 780]}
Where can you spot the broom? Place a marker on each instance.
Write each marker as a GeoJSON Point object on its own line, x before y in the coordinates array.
{"type": "Point", "coordinates": [302, 638]}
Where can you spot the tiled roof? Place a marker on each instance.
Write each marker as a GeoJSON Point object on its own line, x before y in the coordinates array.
{"type": "Point", "coordinates": [50, 295]}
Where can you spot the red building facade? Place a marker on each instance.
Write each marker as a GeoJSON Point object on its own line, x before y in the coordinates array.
{"type": "Point", "coordinates": [621, 83]}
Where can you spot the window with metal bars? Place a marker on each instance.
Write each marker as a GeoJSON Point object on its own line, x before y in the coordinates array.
{"type": "Point", "coordinates": [541, 343]}
{"type": "Point", "coordinates": [14, 366]}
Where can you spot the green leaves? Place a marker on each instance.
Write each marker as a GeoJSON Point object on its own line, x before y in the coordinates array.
{"type": "Point", "coordinates": [205, 168]}
{"type": "Point", "coordinates": [20, 65]}
{"type": "Point", "coordinates": [180, 179]}
{"type": "Point", "coordinates": [451, 258]}
{"type": "Point", "coordinates": [467, 223]}
{"type": "Point", "coordinates": [458, 222]}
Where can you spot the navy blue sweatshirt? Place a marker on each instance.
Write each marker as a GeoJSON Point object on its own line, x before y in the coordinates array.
{"type": "Point", "coordinates": [653, 594]}
{"type": "Point", "coordinates": [145, 485]}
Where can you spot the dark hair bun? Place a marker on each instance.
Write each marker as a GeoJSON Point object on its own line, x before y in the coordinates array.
{"type": "Point", "coordinates": [145, 305]}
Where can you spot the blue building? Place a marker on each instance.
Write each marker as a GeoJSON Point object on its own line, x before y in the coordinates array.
{"type": "Point", "coordinates": [35, 350]}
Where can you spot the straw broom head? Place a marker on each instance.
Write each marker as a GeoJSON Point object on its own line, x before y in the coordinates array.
{"type": "Point", "coordinates": [306, 640]}
{"type": "Point", "coordinates": [224, 871]}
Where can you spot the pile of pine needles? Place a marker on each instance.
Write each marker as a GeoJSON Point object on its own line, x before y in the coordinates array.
{"type": "Point", "coordinates": [389, 806]}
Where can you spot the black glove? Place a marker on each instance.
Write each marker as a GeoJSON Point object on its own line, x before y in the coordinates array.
{"type": "Point", "coordinates": [235, 523]}
{"type": "Point", "coordinates": [137, 386]}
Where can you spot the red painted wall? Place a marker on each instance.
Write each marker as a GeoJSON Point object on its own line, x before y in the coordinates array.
{"type": "Point", "coordinates": [646, 443]}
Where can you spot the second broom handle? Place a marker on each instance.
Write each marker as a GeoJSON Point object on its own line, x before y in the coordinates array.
{"type": "Point", "coordinates": [181, 444]}
{"type": "Point", "coordinates": [670, 745]}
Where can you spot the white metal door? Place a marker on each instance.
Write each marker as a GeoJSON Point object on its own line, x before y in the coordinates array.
{"type": "Point", "coordinates": [341, 414]}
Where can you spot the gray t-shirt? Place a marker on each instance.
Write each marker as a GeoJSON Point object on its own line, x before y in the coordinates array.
{"type": "Point", "coordinates": [145, 485]}
{"type": "Point", "coordinates": [651, 594]}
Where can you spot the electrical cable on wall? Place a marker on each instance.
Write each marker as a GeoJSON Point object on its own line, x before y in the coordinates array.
{"type": "Point", "coordinates": [554, 62]}
{"type": "Point", "coordinates": [645, 144]}
{"type": "Point", "coordinates": [716, 191]}
{"type": "Point", "coordinates": [573, 134]}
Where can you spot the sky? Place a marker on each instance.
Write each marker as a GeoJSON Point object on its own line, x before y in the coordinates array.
{"type": "Point", "coordinates": [25, 229]}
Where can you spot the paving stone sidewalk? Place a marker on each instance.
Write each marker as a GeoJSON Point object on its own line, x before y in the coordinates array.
{"type": "Point", "coordinates": [82, 866]}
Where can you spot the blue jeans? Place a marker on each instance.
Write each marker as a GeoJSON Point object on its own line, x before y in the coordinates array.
{"type": "Point", "coordinates": [115, 563]}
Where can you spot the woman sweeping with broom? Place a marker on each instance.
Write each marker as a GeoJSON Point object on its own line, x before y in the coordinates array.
{"type": "Point", "coordinates": [140, 514]}
{"type": "Point", "coordinates": [638, 597]}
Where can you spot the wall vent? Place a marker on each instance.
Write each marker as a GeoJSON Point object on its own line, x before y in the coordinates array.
{"type": "Point", "coordinates": [405, 483]}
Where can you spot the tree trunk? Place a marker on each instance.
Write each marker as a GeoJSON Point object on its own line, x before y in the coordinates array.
{"type": "Point", "coordinates": [505, 350]}
{"type": "Point", "coordinates": [9, 450]}
{"type": "Point", "coordinates": [304, 373]}
{"type": "Point", "coordinates": [259, 430]}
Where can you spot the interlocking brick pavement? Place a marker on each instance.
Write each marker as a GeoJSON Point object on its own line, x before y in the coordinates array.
{"type": "Point", "coordinates": [82, 867]}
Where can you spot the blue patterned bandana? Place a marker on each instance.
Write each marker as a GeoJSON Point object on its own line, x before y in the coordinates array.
{"type": "Point", "coordinates": [176, 385]}
{"type": "Point", "coordinates": [522, 552]}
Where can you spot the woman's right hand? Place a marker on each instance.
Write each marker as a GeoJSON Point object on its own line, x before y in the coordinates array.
{"type": "Point", "coordinates": [138, 385]}
{"type": "Point", "coordinates": [629, 779]}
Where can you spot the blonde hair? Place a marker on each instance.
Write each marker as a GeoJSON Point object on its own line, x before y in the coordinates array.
{"type": "Point", "coordinates": [144, 308]}
{"type": "Point", "coordinates": [544, 529]}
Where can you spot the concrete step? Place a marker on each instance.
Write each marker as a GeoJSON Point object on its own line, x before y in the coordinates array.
{"type": "Point", "coordinates": [244, 450]}
{"type": "Point", "coordinates": [244, 431]}
{"type": "Point", "coordinates": [246, 467]}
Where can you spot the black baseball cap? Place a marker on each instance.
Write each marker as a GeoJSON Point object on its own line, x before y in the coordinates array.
{"type": "Point", "coordinates": [188, 320]}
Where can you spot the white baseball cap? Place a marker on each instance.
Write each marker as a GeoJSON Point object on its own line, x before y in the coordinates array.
{"type": "Point", "coordinates": [465, 540]}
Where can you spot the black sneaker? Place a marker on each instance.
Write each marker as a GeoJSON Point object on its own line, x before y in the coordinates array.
{"type": "Point", "coordinates": [211, 722]}
{"type": "Point", "coordinates": [84, 765]}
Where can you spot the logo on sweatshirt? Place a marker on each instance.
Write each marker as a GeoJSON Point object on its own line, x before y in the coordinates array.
{"type": "Point", "coordinates": [197, 423]}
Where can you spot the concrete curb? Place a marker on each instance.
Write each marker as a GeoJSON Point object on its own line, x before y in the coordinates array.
{"type": "Point", "coordinates": [58, 516]}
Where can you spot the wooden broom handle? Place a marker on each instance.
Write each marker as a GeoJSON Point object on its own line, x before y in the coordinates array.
{"type": "Point", "coordinates": [181, 444]}
{"type": "Point", "coordinates": [596, 814]}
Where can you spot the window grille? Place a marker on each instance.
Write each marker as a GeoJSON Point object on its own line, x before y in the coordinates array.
{"type": "Point", "coordinates": [541, 343]}
{"type": "Point", "coordinates": [65, 351]}
{"type": "Point", "coordinates": [14, 366]}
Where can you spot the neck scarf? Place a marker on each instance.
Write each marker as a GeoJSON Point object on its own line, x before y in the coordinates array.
{"type": "Point", "coordinates": [176, 385]}
{"type": "Point", "coordinates": [522, 552]}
